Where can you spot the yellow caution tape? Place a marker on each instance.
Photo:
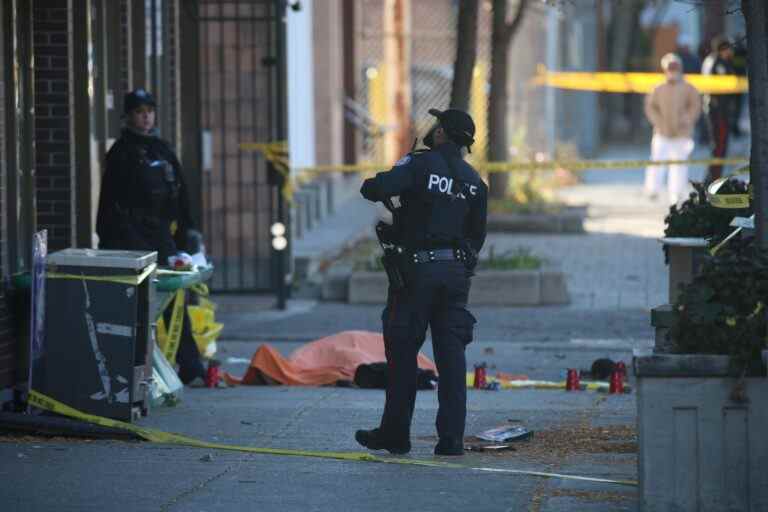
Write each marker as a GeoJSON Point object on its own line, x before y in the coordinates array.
{"type": "Point", "coordinates": [642, 83]}
{"type": "Point", "coordinates": [158, 436]}
{"type": "Point", "coordinates": [573, 165]}
{"type": "Point", "coordinates": [713, 251]}
{"type": "Point", "coordinates": [200, 289]}
{"type": "Point", "coordinates": [206, 303]}
{"type": "Point", "coordinates": [533, 384]}
{"type": "Point", "coordinates": [578, 165]}
{"type": "Point", "coordinates": [169, 341]}
{"type": "Point", "coordinates": [729, 200]}
{"type": "Point", "coordinates": [276, 153]}
{"type": "Point", "coordinates": [131, 280]}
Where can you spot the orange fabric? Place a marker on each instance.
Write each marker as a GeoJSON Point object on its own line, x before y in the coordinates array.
{"type": "Point", "coordinates": [320, 362]}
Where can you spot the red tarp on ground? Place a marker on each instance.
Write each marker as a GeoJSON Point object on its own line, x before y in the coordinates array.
{"type": "Point", "coordinates": [320, 362]}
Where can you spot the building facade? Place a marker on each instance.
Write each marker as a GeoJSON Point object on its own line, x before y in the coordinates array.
{"type": "Point", "coordinates": [66, 65]}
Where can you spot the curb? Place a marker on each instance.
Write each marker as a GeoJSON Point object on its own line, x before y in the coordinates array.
{"type": "Point", "coordinates": [568, 221]}
{"type": "Point", "coordinates": [543, 287]}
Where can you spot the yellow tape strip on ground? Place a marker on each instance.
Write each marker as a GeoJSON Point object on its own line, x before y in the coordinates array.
{"type": "Point", "coordinates": [157, 436]}
{"type": "Point", "coordinates": [642, 83]}
{"type": "Point", "coordinates": [132, 280]}
{"type": "Point", "coordinates": [171, 345]}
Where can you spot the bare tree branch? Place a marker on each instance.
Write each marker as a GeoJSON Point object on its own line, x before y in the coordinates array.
{"type": "Point", "coordinates": [511, 28]}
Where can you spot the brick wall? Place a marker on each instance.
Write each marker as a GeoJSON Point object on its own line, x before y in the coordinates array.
{"type": "Point", "coordinates": [173, 128]}
{"type": "Point", "coordinates": [52, 122]}
{"type": "Point", "coordinates": [6, 339]}
{"type": "Point", "coordinates": [125, 86]}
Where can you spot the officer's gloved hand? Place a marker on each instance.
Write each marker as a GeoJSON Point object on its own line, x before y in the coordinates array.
{"type": "Point", "coordinates": [180, 261]}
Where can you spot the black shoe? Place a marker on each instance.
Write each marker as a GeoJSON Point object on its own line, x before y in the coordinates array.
{"type": "Point", "coordinates": [373, 440]}
{"type": "Point", "coordinates": [451, 449]}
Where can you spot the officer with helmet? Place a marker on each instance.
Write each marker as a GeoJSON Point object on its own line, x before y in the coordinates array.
{"type": "Point", "coordinates": [442, 221]}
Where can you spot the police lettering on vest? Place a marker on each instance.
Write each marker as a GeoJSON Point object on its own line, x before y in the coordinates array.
{"type": "Point", "coordinates": [444, 185]}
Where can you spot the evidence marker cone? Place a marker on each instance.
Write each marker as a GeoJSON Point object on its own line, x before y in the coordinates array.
{"type": "Point", "coordinates": [617, 382]}
{"type": "Point", "coordinates": [622, 369]}
{"type": "Point", "coordinates": [572, 381]}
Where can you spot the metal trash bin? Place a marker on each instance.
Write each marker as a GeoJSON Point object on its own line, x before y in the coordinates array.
{"type": "Point", "coordinates": [97, 350]}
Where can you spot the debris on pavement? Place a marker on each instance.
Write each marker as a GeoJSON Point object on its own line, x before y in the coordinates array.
{"type": "Point", "coordinates": [488, 447]}
{"type": "Point", "coordinates": [506, 433]}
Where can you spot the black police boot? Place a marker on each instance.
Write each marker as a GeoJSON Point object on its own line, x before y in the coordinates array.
{"type": "Point", "coordinates": [444, 447]}
{"type": "Point", "coordinates": [373, 440]}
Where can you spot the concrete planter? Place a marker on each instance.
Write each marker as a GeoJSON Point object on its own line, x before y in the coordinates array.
{"type": "Point", "coordinates": [698, 449]}
{"type": "Point", "coordinates": [663, 319]}
{"type": "Point", "coordinates": [546, 286]}
{"type": "Point", "coordinates": [569, 220]}
{"type": "Point", "coordinates": [685, 258]}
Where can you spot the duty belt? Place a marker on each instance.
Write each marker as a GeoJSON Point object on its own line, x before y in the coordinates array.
{"type": "Point", "coordinates": [438, 255]}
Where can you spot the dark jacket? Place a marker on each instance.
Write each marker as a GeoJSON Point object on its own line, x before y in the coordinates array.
{"type": "Point", "coordinates": [719, 104]}
{"type": "Point", "coordinates": [444, 201]}
{"type": "Point", "coordinates": [143, 197]}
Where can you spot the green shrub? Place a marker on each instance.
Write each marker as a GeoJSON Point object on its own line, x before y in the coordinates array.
{"type": "Point", "coordinates": [516, 259]}
{"type": "Point", "coordinates": [723, 310]}
{"type": "Point", "coordinates": [697, 218]}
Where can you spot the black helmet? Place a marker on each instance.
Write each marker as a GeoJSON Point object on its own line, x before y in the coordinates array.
{"type": "Point", "coordinates": [137, 98]}
{"type": "Point", "coordinates": [457, 124]}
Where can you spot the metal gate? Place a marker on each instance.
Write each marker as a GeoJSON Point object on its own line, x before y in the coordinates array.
{"type": "Point", "coordinates": [240, 99]}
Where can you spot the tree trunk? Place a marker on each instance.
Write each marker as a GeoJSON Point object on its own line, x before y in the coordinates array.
{"type": "Point", "coordinates": [397, 59]}
{"type": "Point", "coordinates": [714, 20]}
{"type": "Point", "coordinates": [621, 33]}
{"type": "Point", "coordinates": [756, 15]}
{"type": "Point", "coordinates": [466, 53]}
{"type": "Point", "coordinates": [498, 140]}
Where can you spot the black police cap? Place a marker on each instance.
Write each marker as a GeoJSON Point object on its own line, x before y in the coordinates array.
{"type": "Point", "coordinates": [137, 98]}
{"type": "Point", "coordinates": [457, 123]}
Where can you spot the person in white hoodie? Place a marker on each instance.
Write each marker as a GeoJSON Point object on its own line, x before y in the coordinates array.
{"type": "Point", "coordinates": [672, 108]}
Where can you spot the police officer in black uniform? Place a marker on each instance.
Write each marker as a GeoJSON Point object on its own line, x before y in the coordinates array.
{"type": "Point", "coordinates": [144, 204]}
{"type": "Point", "coordinates": [443, 217]}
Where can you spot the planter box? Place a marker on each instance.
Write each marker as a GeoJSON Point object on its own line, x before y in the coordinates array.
{"type": "Point", "coordinates": [698, 449]}
{"type": "Point", "coordinates": [569, 220]}
{"type": "Point", "coordinates": [663, 318]}
{"type": "Point", "coordinates": [546, 286]}
{"type": "Point", "coordinates": [685, 258]}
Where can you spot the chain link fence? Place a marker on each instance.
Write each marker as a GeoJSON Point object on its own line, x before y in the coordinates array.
{"type": "Point", "coordinates": [433, 41]}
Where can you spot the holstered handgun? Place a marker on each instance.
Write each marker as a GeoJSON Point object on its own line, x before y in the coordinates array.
{"type": "Point", "coordinates": [390, 239]}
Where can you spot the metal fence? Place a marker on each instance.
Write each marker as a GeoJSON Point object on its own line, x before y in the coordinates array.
{"type": "Point", "coordinates": [433, 51]}
{"type": "Point", "coordinates": [238, 99]}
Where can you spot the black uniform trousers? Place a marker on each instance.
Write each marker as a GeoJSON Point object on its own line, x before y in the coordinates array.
{"type": "Point", "coordinates": [436, 297]}
{"type": "Point", "coordinates": [719, 129]}
{"type": "Point", "coordinates": [188, 355]}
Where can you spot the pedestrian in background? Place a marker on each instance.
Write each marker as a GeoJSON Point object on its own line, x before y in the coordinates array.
{"type": "Point", "coordinates": [719, 108]}
{"type": "Point", "coordinates": [672, 109]}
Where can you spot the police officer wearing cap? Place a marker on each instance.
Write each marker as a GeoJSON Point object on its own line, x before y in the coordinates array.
{"type": "Point", "coordinates": [443, 212]}
{"type": "Point", "coordinates": [144, 204]}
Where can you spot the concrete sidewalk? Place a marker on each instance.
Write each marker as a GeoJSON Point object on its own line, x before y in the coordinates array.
{"type": "Point", "coordinates": [580, 433]}
{"type": "Point", "coordinates": [615, 274]}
